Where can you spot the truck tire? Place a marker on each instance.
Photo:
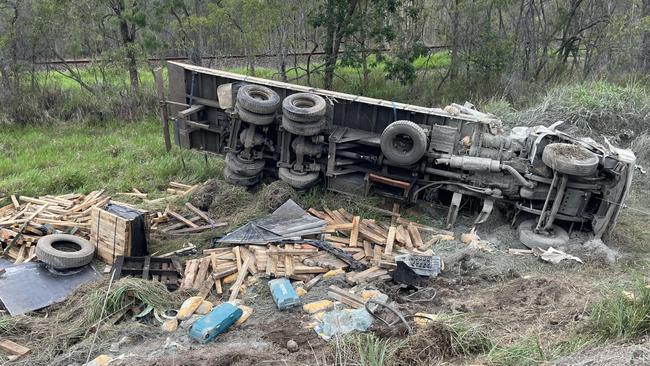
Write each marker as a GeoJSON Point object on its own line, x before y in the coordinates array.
{"type": "Point", "coordinates": [298, 180]}
{"type": "Point", "coordinates": [63, 251]}
{"type": "Point", "coordinates": [570, 159]}
{"type": "Point", "coordinates": [245, 168]}
{"type": "Point", "coordinates": [255, 118]}
{"type": "Point", "coordinates": [258, 99]}
{"type": "Point", "coordinates": [304, 107]}
{"type": "Point", "coordinates": [239, 180]}
{"type": "Point", "coordinates": [303, 128]}
{"type": "Point", "coordinates": [557, 237]}
{"type": "Point", "coordinates": [403, 142]}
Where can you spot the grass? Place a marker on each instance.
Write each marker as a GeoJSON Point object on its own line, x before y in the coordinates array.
{"type": "Point", "coordinates": [623, 316]}
{"type": "Point", "coordinates": [593, 107]}
{"type": "Point", "coordinates": [81, 157]}
{"type": "Point", "coordinates": [363, 350]}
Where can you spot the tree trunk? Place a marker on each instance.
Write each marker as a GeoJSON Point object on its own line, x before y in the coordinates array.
{"type": "Point", "coordinates": [197, 36]}
{"type": "Point", "coordinates": [128, 39]}
{"type": "Point", "coordinates": [645, 42]}
{"type": "Point", "coordinates": [330, 55]}
{"type": "Point", "coordinates": [454, 42]}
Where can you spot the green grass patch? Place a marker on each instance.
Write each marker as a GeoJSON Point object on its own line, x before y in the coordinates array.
{"type": "Point", "coordinates": [624, 315]}
{"type": "Point", "coordinates": [82, 157]}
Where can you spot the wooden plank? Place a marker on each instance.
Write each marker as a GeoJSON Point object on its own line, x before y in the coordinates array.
{"type": "Point", "coordinates": [309, 269]}
{"type": "Point", "coordinates": [321, 215]}
{"type": "Point", "coordinates": [390, 240]}
{"type": "Point", "coordinates": [202, 273]}
{"type": "Point", "coordinates": [182, 219]}
{"type": "Point", "coordinates": [338, 227]}
{"type": "Point", "coordinates": [416, 239]}
{"type": "Point", "coordinates": [243, 272]}
{"type": "Point", "coordinates": [182, 186]}
{"type": "Point", "coordinates": [13, 348]}
{"type": "Point", "coordinates": [190, 273]}
{"type": "Point", "coordinates": [14, 200]}
{"type": "Point", "coordinates": [237, 258]}
{"type": "Point", "coordinates": [288, 265]}
{"type": "Point", "coordinates": [377, 257]}
{"type": "Point", "coordinates": [198, 229]}
{"type": "Point", "coordinates": [354, 234]}
{"type": "Point", "coordinates": [367, 248]}
{"type": "Point", "coordinates": [199, 213]}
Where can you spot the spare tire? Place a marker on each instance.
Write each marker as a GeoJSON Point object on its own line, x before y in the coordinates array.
{"type": "Point", "coordinates": [556, 237]}
{"type": "Point", "coordinates": [63, 251]}
{"type": "Point", "coordinates": [238, 179]}
{"type": "Point", "coordinates": [403, 142]}
{"type": "Point", "coordinates": [304, 107]}
{"type": "Point", "coordinates": [255, 118]}
{"type": "Point", "coordinates": [303, 128]}
{"type": "Point", "coordinates": [298, 180]}
{"type": "Point", "coordinates": [258, 99]}
{"type": "Point", "coordinates": [246, 168]}
{"type": "Point", "coordinates": [570, 159]}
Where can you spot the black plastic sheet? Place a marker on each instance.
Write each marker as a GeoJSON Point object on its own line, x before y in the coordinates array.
{"type": "Point", "coordinates": [31, 286]}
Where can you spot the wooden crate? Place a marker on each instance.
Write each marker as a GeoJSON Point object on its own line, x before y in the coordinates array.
{"type": "Point", "coordinates": [112, 235]}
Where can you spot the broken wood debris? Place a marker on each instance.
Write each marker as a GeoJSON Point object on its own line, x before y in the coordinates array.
{"type": "Point", "coordinates": [26, 219]}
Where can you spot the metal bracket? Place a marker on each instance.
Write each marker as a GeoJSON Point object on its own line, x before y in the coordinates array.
{"type": "Point", "coordinates": [488, 205]}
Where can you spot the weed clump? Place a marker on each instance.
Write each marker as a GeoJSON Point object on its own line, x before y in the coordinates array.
{"type": "Point", "coordinates": [450, 337]}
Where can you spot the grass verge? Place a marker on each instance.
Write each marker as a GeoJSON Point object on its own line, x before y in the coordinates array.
{"type": "Point", "coordinates": [81, 157]}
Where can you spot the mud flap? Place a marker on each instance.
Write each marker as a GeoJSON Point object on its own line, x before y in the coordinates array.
{"type": "Point", "coordinates": [454, 207]}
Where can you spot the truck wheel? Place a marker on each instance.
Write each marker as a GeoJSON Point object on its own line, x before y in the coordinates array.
{"type": "Point", "coordinates": [304, 107]}
{"type": "Point", "coordinates": [239, 180]}
{"type": "Point", "coordinates": [556, 238]}
{"type": "Point", "coordinates": [570, 159]}
{"type": "Point", "coordinates": [63, 251]}
{"type": "Point", "coordinates": [403, 142]}
{"type": "Point", "coordinates": [303, 128]}
{"type": "Point", "coordinates": [258, 99]}
{"type": "Point", "coordinates": [243, 167]}
{"type": "Point", "coordinates": [255, 118]}
{"type": "Point", "coordinates": [298, 180]}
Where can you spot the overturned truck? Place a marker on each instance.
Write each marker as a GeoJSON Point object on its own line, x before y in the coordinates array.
{"type": "Point", "coordinates": [355, 145]}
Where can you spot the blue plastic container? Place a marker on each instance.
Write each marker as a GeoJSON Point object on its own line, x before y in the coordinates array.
{"type": "Point", "coordinates": [283, 293]}
{"type": "Point", "coordinates": [215, 322]}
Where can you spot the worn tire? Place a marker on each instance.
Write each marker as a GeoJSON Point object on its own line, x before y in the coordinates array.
{"type": "Point", "coordinates": [296, 180]}
{"type": "Point", "coordinates": [238, 179]}
{"type": "Point", "coordinates": [304, 107]}
{"type": "Point", "coordinates": [63, 251]}
{"type": "Point", "coordinates": [255, 118]}
{"type": "Point", "coordinates": [258, 99]}
{"type": "Point", "coordinates": [245, 168]}
{"type": "Point", "coordinates": [403, 142]}
{"type": "Point", "coordinates": [303, 128]}
{"type": "Point", "coordinates": [570, 159]}
{"type": "Point", "coordinates": [528, 237]}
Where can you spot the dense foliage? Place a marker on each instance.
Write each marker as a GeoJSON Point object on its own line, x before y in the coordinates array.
{"type": "Point", "coordinates": [509, 47]}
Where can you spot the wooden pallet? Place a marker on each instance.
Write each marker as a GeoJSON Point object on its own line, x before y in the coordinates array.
{"type": "Point", "coordinates": [168, 271]}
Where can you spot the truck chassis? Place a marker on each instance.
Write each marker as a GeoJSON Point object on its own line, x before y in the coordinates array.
{"type": "Point", "coordinates": [355, 145]}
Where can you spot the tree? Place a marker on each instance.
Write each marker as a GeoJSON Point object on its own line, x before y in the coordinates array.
{"type": "Point", "coordinates": [337, 19]}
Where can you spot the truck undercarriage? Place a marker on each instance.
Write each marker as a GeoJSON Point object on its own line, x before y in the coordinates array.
{"type": "Point", "coordinates": [357, 145]}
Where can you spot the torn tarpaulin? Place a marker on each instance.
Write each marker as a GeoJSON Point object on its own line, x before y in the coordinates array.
{"type": "Point", "coordinates": [31, 286]}
{"type": "Point", "coordinates": [289, 221]}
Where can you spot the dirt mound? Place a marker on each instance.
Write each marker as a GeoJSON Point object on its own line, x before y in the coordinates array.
{"type": "Point", "coordinates": [277, 193]}
{"type": "Point", "coordinates": [203, 196]}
